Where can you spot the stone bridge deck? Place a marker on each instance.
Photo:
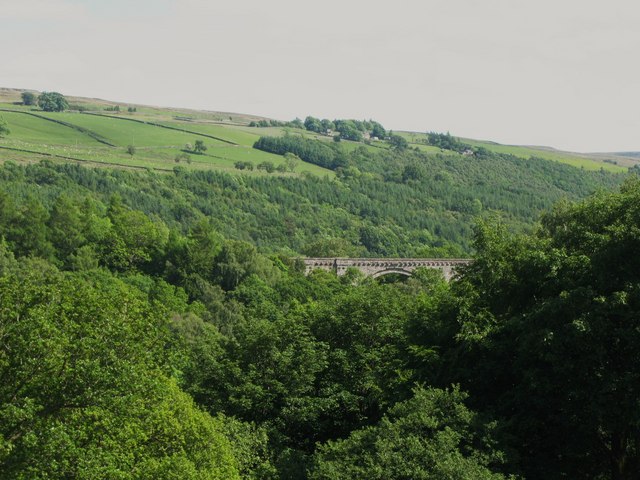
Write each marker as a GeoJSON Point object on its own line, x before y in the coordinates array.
{"type": "Point", "coordinates": [376, 267]}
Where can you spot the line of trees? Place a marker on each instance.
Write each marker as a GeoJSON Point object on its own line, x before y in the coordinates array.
{"type": "Point", "coordinates": [47, 101]}
{"type": "Point", "coordinates": [347, 129]}
{"type": "Point", "coordinates": [312, 151]}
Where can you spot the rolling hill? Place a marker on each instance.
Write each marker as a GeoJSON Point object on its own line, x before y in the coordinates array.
{"type": "Point", "coordinates": [93, 132]}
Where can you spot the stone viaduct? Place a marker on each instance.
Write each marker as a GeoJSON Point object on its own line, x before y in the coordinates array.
{"type": "Point", "coordinates": [376, 267]}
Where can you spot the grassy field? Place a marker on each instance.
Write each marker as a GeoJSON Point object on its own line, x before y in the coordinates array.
{"type": "Point", "coordinates": [36, 131]}
{"type": "Point", "coordinates": [575, 160]}
{"type": "Point", "coordinates": [102, 139]}
{"type": "Point", "coordinates": [610, 163]}
{"type": "Point", "coordinates": [159, 134]}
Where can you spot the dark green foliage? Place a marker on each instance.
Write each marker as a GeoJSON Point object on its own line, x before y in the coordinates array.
{"type": "Point", "coordinates": [311, 372]}
{"type": "Point", "coordinates": [296, 123]}
{"type": "Point", "coordinates": [274, 123]}
{"type": "Point", "coordinates": [431, 436]}
{"type": "Point", "coordinates": [267, 166]}
{"type": "Point", "coordinates": [311, 151]}
{"type": "Point", "coordinates": [378, 201]}
{"type": "Point", "coordinates": [242, 165]}
{"type": "Point", "coordinates": [446, 142]}
{"type": "Point", "coordinates": [328, 125]}
{"type": "Point", "coordinates": [412, 172]}
{"type": "Point", "coordinates": [378, 131]}
{"type": "Point", "coordinates": [549, 327]}
{"type": "Point", "coordinates": [199, 147]}
{"type": "Point", "coordinates": [313, 125]}
{"type": "Point", "coordinates": [28, 98]}
{"type": "Point", "coordinates": [349, 130]}
{"type": "Point", "coordinates": [68, 227]}
{"type": "Point", "coordinates": [398, 143]}
{"type": "Point", "coordinates": [26, 228]}
{"type": "Point", "coordinates": [182, 157]}
{"type": "Point", "coordinates": [52, 102]}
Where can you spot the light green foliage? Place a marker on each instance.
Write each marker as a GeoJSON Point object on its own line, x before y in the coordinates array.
{"type": "Point", "coordinates": [291, 161]}
{"type": "Point", "coordinates": [183, 157]}
{"type": "Point", "coordinates": [34, 132]}
{"type": "Point", "coordinates": [428, 437]}
{"type": "Point", "coordinates": [534, 154]}
{"type": "Point", "coordinates": [251, 449]}
{"type": "Point", "coordinates": [85, 395]}
{"type": "Point", "coordinates": [134, 239]}
{"type": "Point", "coordinates": [4, 127]}
{"type": "Point", "coordinates": [237, 261]}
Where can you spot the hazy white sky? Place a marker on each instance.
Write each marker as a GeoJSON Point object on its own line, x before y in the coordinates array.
{"type": "Point", "coordinates": [563, 73]}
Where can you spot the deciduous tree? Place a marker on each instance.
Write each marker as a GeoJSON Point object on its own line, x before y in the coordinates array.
{"type": "Point", "coordinates": [28, 98]}
{"type": "Point", "coordinates": [52, 102]}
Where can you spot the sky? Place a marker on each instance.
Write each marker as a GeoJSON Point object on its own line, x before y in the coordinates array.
{"type": "Point", "coordinates": [561, 73]}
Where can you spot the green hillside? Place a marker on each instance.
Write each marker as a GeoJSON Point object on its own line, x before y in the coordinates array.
{"type": "Point", "coordinates": [157, 323]}
{"type": "Point", "coordinates": [291, 186]}
{"type": "Point", "coordinates": [609, 162]}
{"type": "Point", "coordinates": [92, 132]}
{"type": "Point", "coordinates": [96, 136]}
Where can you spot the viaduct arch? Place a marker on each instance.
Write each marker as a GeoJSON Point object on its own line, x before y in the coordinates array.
{"type": "Point", "coordinates": [377, 267]}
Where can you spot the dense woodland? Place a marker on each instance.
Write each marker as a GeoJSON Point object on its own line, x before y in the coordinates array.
{"type": "Point", "coordinates": [158, 326]}
{"type": "Point", "coordinates": [382, 203]}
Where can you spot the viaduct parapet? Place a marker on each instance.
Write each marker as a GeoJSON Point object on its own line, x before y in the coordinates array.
{"type": "Point", "coordinates": [376, 267]}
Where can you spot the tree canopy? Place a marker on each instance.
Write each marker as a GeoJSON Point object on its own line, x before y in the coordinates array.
{"type": "Point", "coordinates": [52, 102]}
{"type": "Point", "coordinates": [161, 326]}
{"type": "Point", "coordinates": [4, 127]}
{"type": "Point", "coordinates": [430, 436]}
{"type": "Point", "coordinates": [28, 98]}
{"type": "Point", "coordinates": [551, 318]}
